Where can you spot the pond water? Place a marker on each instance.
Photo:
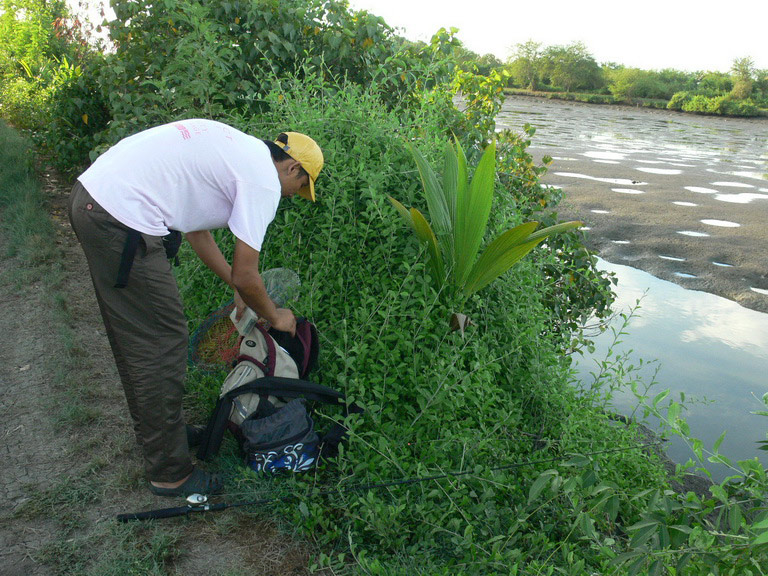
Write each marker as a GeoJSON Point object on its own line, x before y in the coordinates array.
{"type": "Point", "coordinates": [684, 198]}
{"type": "Point", "coordinates": [709, 348]}
{"type": "Point", "coordinates": [651, 184]}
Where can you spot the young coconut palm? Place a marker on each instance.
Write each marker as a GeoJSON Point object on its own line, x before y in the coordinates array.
{"type": "Point", "coordinates": [459, 211]}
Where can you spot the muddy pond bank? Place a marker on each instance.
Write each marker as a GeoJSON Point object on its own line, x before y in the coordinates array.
{"type": "Point", "coordinates": [682, 197]}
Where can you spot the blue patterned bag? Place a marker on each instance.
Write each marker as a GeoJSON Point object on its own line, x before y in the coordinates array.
{"type": "Point", "coordinates": [285, 440]}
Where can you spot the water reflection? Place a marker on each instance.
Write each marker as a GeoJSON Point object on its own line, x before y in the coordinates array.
{"type": "Point", "coordinates": [743, 198]}
{"type": "Point", "coordinates": [709, 348]}
{"type": "Point", "coordinates": [662, 171]}
{"type": "Point", "coordinates": [733, 184]}
{"type": "Point", "coordinates": [721, 223]}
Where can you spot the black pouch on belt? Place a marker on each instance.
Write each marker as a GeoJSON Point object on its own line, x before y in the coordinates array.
{"type": "Point", "coordinates": [171, 243]}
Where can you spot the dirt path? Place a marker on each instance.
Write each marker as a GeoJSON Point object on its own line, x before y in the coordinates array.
{"type": "Point", "coordinates": [70, 463]}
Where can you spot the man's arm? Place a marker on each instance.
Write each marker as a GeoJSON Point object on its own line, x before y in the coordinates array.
{"type": "Point", "coordinates": [247, 281]}
{"type": "Point", "coordinates": [243, 276]}
{"type": "Point", "coordinates": [208, 251]}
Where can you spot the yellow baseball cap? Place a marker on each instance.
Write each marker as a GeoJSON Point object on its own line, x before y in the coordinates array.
{"type": "Point", "coordinates": [306, 151]}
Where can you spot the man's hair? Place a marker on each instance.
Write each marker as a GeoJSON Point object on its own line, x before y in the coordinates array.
{"type": "Point", "coordinates": [277, 153]}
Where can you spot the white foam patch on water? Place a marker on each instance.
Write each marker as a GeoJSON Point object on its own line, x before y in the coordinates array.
{"type": "Point", "coordinates": [600, 211]}
{"type": "Point", "coordinates": [700, 190]}
{"type": "Point", "coordinates": [740, 173]}
{"type": "Point", "coordinates": [621, 242]}
{"type": "Point", "coordinates": [693, 234]}
{"type": "Point", "coordinates": [721, 223]}
{"type": "Point", "coordinates": [605, 155]}
{"type": "Point", "coordinates": [722, 264]}
{"type": "Point", "coordinates": [565, 159]}
{"type": "Point", "coordinates": [685, 275]}
{"type": "Point", "coordinates": [622, 181]}
{"type": "Point", "coordinates": [684, 204]}
{"type": "Point", "coordinates": [759, 291]}
{"type": "Point", "coordinates": [664, 171]}
{"type": "Point", "coordinates": [743, 198]}
{"type": "Point", "coordinates": [628, 191]}
{"type": "Point", "coordinates": [606, 162]}
{"type": "Point", "coordinates": [682, 165]}
{"type": "Point", "coordinates": [672, 258]}
{"type": "Point", "coordinates": [733, 184]}
{"type": "Point", "coordinates": [652, 162]}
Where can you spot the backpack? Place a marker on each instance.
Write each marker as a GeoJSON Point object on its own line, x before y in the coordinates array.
{"type": "Point", "coordinates": [263, 402]}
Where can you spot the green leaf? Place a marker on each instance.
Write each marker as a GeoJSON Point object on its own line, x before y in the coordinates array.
{"type": "Point", "coordinates": [660, 396]}
{"type": "Point", "coordinates": [540, 235]}
{"type": "Point", "coordinates": [586, 524]}
{"type": "Point", "coordinates": [438, 210]}
{"type": "Point", "coordinates": [403, 211]}
{"type": "Point", "coordinates": [761, 539]}
{"type": "Point", "coordinates": [719, 441]}
{"type": "Point", "coordinates": [472, 212]}
{"type": "Point", "coordinates": [451, 183]}
{"type": "Point", "coordinates": [673, 412]}
{"type": "Point", "coordinates": [734, 518]}
{"type": "Point", "coordinates": [425, 234]}
{"type": "Point", "coordinates": [540, 484]}
{"type": "Point", "coordinates": [500, 256]}
{"type": "Point", "coordinates": [719, 493]}
{"type": "Point", "coordinates": [642, 535]}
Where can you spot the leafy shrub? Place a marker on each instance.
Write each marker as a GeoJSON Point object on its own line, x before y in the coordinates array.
{"type": "Point", "coordinates": [238, 46]}
{"type": "Point", "coordinates": [24, 103]}
{"type": "Point", "coordinates": [678, 100]}
{"type": "Point", "coordinates": [78, 114]}
{"type": "Point", "coordinates": [434, 401]}
{"type": "Point", "coordinates": [720, 105]}
{"type": "Point", "coordinates": [714, 84]}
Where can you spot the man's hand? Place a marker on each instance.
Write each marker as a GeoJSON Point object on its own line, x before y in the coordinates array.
{"type": "Point", "coordinates": [240, 305]}
{"type": "Point", "coordinates": [248, 283]}
{"type": "Point", "coordinates": [285, 321]}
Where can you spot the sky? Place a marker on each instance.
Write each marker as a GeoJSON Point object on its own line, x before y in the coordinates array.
{"type": "Point", "coordinates": [688, 35]}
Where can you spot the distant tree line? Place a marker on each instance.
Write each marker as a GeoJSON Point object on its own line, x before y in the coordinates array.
{"type": "Point", "coordinates": [571, 72]}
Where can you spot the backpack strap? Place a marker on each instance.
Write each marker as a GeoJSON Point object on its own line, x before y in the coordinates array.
{"type": "Point", "coordinates": [214, 431]}
{"type": "Point", "coordinates": [283, 387]}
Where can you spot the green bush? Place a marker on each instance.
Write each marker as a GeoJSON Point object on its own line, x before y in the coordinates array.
{"type": "Point", "coordinates": [238, 47]}
{"type": "Point", "coordinates": [678, 100]}
{"type": "Point", "coordinates": [720, 105]}
{"type": "Point", "coordinates": [24, 103]}
{"type": "Point", "coordinates": [78, 114]}
{"type": "Point", "coordinates": [435, 401]}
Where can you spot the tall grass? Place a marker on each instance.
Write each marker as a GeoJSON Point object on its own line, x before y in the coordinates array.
{"type": "Point", "coordinates": [27, 228]}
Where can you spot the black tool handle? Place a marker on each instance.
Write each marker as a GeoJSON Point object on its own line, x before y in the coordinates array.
{"type": "Point", "coordinates": [171, 512]}
{"type": "Point", "coordinates": [155, 514]}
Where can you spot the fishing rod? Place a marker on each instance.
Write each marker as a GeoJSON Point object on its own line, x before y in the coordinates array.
{"type": "Point", "coordinates": [199, 502]}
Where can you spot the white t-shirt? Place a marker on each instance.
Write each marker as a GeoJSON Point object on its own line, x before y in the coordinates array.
{"type": "Point", "coordinates": [187, 176]}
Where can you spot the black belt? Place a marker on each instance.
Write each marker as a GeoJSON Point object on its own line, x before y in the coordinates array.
{"type": "Point", "coordinates": [171, 243]}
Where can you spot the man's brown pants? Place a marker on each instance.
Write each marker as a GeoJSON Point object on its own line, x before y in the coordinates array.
{"type": "Point", "coordinates": [147, 331]}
